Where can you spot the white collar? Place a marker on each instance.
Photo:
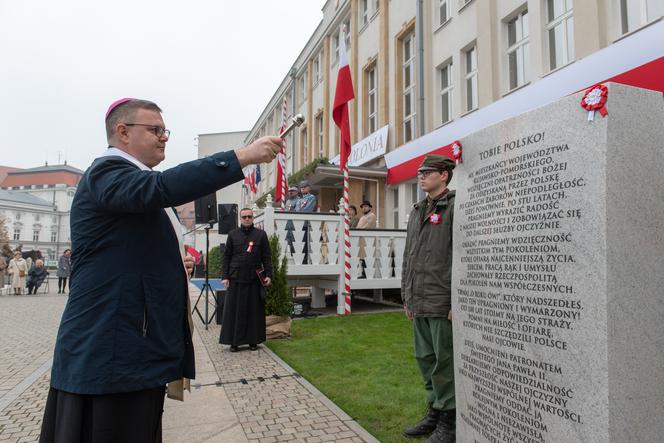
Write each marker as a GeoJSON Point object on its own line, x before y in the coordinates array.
{"type": "Point", "coordinates": [112, 151]}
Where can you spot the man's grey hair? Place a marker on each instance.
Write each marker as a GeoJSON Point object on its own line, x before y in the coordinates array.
{"type": "Point", "coordinates": [125, 112]}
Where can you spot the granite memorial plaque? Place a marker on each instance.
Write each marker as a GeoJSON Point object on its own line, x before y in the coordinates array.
{"type": "Point", "coordinates": [558, 275]}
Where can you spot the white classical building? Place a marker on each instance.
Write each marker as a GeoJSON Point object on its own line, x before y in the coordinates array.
{"type": "Point", "coordinates": [35, 205]}
{"type": "Point", "coordinates": [427, 73]}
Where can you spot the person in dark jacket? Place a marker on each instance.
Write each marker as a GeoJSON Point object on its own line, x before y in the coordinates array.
{"type": "Point", "coordinates": [426, 293]}
{"type": "Point", "coordinates": [247, 251]}
{"type": "Point", "coordinates": [64, 269]}
{"type": "Point", "coordinates": [36, 276]}
{"type": "Point", "coordinates": [126, 329]}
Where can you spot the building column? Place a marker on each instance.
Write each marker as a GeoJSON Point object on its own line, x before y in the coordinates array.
{"type": "Point", "coordinates": [383, 65]}
{"type": "Point", "coordinates": [327, 110]}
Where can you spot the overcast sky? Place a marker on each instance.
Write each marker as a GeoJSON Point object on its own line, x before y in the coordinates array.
{"type": "Point", "coordinates": [211, 65]}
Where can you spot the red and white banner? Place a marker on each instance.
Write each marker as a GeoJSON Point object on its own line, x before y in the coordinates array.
{"type": "Point", "coordinates": [635, 60]}
{"type": "Point", "coordinates": [342, 95]}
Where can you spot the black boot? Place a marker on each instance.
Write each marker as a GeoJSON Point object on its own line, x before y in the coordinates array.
{"type": "Point", "coordinates": [445, 431]}
{"type": "Point", "coordinates": [425, 426]}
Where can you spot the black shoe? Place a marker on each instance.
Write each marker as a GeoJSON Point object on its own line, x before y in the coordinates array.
{"type": "Point", "coordinates": [445, 432]}
{"type": "Point", "coordinates": [425, 426]}
{"type": "Point", "coordinates": [234, 349]}
{"type": "Point", "coordinates": [253, 348]}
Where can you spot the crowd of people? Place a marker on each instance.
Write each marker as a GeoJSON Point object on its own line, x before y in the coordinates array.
{"type": "Point", "coordinates": [21, 271]}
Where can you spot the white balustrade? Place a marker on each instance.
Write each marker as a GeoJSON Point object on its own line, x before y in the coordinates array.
{"type": "Point", "coordinates": [375, 254]}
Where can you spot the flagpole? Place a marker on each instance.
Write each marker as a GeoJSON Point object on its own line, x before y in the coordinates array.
{"type": "Point", "coordinates": [281, 164]}
{"type": "Point", "coordinates": [347, 292]}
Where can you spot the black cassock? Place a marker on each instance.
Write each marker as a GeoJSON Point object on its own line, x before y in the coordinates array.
{"type": "Point", "coordinates": [243, 321]}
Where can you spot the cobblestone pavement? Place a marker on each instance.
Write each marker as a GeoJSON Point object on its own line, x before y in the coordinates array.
{"type": "Point", "coordinates": [263, 399]}
{"type": "Point", "coordinates": [272, 403]}
{"type": "Point", "coordinates": [28, 326]}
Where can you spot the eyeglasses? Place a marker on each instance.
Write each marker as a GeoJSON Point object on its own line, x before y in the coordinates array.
{"type": "Point", "coordinates": [426, 173]}
{"type": "Point", "coordinates": [156, 130]}
{"type": "Point", "coordinates": [246, 217]}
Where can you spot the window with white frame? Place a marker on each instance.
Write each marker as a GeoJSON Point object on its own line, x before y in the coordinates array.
{"type": "Point", "coordinates": [636, 13]}
{"type": "Point", "coordinates": [372, 100]}
{"type": "Point", "coordinates": [408, 92]}
{"type": "Point", "coordinates": [319, 134]}
{"type": "Point", "coordinates": [376, 5]}
{"type": "Point", "coordinates": [445, 76]}
{"type": "Point", "coordinates": [54, 236]}
{"type": "Point", "coordinates": [305, 147]}
{"type": "Point", "coordinates": [471, 78]}
{"type": "Point", "coordinates": [303, 87]}
{"type": "Point", "coordinates": [35, 235]}
{"type": "Point", "coordinates": [364, 11]}
{"type": "Point", "coordinates": [414, 193]}
{"type": "Point", "coordinates": [316, 69]}
{"type": "Point", "coordinates": [17, 233]}
{"type": "Point", "coordinates": [560, 27]}
{"type": "Point", "coordinates": [395, 208]}
{"type": "Point", "coordinates": [335, 44]}
{"type": "Point", "coordinates": [518, 59]}
{"type": "Point", "coordinates": [443, 11]}
{"type": "Point", "coordinates": [17, 216]}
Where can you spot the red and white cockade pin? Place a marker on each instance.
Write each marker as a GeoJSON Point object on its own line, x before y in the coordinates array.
{"type": "Point", "coordinates": [251, 246]}
{"type": "Point", "coordinates": [595, 100]}
{"type": "Point", "coordinates": [435, 219]}
{"type": "Point", "coordinates": [456, 152]}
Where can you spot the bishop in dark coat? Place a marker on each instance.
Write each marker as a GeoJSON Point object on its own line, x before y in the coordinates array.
{"type": "Point", "coordinates": [246, 270]}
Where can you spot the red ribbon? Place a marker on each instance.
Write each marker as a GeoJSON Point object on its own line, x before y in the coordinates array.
{"type": "Point", "coordinates": [597, 95]}
{"type": "Point", "coordinates": [251, 246]}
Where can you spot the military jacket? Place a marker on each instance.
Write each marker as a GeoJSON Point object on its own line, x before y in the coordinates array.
{"type": "Point", "coordinates": [427, 259]}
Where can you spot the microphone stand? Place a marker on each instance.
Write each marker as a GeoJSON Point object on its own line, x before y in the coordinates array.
{"type": "Point", "coordinates": [206, 289]}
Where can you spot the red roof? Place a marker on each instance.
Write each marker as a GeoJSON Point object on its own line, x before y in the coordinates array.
{"type": "Point", "coordinates": [4, 170]}
{"type": "Point", "coordinates": [45, 175]}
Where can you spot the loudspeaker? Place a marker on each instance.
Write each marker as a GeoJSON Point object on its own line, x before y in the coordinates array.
{"type": "Point", "coordinates": [227, 217]}
{"type": "Point", "coordinates": [206, 209]}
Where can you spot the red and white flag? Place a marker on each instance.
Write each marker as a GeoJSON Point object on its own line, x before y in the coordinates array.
{"type": "Point", "coordinates": [250, 178]}
{"type": "Point", "coordinates": [282, 180]}
{"type": "Point", "coordinates": [343, 94]}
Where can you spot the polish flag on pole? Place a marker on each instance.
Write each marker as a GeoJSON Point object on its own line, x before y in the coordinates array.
{"type": "Point", "coordinates": [342, 95]}
{"type": "Point", "coordinates": [250, 178]}
{"type": "Point", "coordinates": [282, 176]}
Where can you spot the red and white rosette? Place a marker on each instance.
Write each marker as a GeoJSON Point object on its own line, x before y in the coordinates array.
{"type": "Point", "coordinates": [595, 100]}
{"type": "Point", "coordinates": [457, 152]}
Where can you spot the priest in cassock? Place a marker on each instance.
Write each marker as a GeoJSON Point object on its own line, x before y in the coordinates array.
{"type": "Point", "coordinates": [246, 270]}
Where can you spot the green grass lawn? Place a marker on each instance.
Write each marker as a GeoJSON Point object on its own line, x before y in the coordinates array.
{"type": "Point", "coordinates": [363, 363]}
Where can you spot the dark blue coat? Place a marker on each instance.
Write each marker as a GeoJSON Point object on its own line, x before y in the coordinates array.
{"type": "Point", "coordinates": [125, 324]}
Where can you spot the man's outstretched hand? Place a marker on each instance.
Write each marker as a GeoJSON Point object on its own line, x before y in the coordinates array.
{"type": "Point", "coordinates": [263, 150]}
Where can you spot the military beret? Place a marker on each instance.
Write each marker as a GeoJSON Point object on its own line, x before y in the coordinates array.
{"type": "Point", "coordinates": [437, 163]}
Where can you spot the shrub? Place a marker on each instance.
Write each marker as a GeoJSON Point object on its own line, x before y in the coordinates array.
{"type": "Point", "coordinates": [278, 298]}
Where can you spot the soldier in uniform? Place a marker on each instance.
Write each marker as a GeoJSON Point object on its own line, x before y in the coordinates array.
{"type": "Point", "coordinates": [426, 293]}
{"type": "Point", "coordinates": [293, 198]}
{"type": "Point", "coordinates": [308, 201]}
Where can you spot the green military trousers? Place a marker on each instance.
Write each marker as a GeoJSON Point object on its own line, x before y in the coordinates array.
{"type": "Point", "coordinates": [435, 358]}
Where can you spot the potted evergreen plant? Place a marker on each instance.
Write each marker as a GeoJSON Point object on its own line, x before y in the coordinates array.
{"type": "Point", "coordinates": [278, 304]}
